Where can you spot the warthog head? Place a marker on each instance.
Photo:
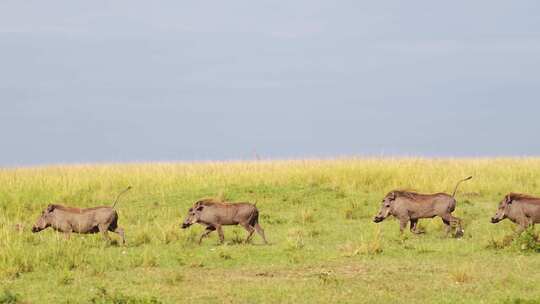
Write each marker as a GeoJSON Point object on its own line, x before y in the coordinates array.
{"type": "Point", "coordinates": [502, 211]}
{"type": "Point", "coordinates": [193, 216]}
{"type": "Point", "coordinates": [386, 207]}
{"type": "Point", "coordinates": [44, 220]}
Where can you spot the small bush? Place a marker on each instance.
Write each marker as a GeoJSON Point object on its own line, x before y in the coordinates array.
{"type": "Point", "coordinates": [528, 241]}
{"type": "Point", "coordinates": [500, 244]}
{"type": "Point", "coordinates": [104, 297]}
{"type": "Point", "coordinates": [8, 297]}
{"type": "Point", "coordinates": [328, 278]}
{"type": "Point", "coordinates": [461, 276]}
{"type": "Point", "coordinates": [236, 238]}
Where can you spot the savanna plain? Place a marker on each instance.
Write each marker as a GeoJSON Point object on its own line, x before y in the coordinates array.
{"type": "Point", "coordinates": [317, 215]}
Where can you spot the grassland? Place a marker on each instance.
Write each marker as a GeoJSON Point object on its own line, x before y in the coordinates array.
{"type": "Point", "coordinates": [317, 216]}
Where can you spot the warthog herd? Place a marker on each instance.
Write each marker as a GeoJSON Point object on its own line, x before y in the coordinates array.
{"type": "Point", "coordinates": [406, 206]}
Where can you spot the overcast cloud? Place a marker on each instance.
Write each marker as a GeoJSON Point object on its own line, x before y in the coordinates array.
{"type": "Point", "coordinates": [106, 81]}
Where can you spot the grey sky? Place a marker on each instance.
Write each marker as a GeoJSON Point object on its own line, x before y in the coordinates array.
{"type": "Point", "coordinates": [85, 81]}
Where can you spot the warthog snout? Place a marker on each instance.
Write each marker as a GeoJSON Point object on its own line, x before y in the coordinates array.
{"type": "Point", "coordinates": [191, 217]}
{"type": "Point", "coordinates": [377, 219]}
{"type": "Point", "coordinates": [35, 229]}
{"type": "Point", "coordinates": [519, 208]}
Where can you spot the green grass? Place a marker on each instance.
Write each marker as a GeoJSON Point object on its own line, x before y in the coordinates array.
{"type": "Point", "coordinates": [316, 214]}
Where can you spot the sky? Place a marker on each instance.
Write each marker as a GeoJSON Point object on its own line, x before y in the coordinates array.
{"type": "Point", "coordinates": [137, 81]}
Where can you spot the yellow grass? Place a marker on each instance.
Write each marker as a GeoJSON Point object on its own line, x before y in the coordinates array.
{"type": "Point", "coordinates": [317, 216]}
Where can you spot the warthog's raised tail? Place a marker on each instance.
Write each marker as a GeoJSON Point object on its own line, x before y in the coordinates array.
{"type": "Point", "coordinates": [120, 194]}
{"type": "Point", "coordinates": [457, 185]}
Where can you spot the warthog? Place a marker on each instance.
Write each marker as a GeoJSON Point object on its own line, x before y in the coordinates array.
{"type": "Point", "coordinates": [214, 214]}
{"type": "Point", "coordinates": [521, 209]}
{"type": "Point", "coordinates": [88, 220]}
{"type": "Point", "coordinates": [410, 206]}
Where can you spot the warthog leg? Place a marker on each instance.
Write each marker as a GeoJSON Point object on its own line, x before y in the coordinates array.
{"type": "Point", "coordinates": [120, 232]}
{"type": "Point", "coordinates": [414, 228]}
{"type": "Point", "coordinates": [447, 226]}
{"type": "Point", "coordinates": [523, 225]}
{"type": "Point", "coordinates": [208, 230]}
{"type": "Point", "coordinates": [250, 231]}
{"type": "Point", "coordinates": [104, 229]}
{"type": "Point", "coordinates": [455, 222]}
{"type": "Point", "coordinates": [221, 235]}
{"type": "Point", "coordinates": [403, 224]}
{"type": "Point", "coordinates": [260, 231]}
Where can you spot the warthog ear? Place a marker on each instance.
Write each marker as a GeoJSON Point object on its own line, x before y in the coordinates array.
{"type": "Point", "coordinates": [200, 208]}
{"type": "Point", "coordinates": [392, 195]}
{"type": "Point", "coordinates": [508, 199]}
{"type": "Point", "coordinates": [50, 208]}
